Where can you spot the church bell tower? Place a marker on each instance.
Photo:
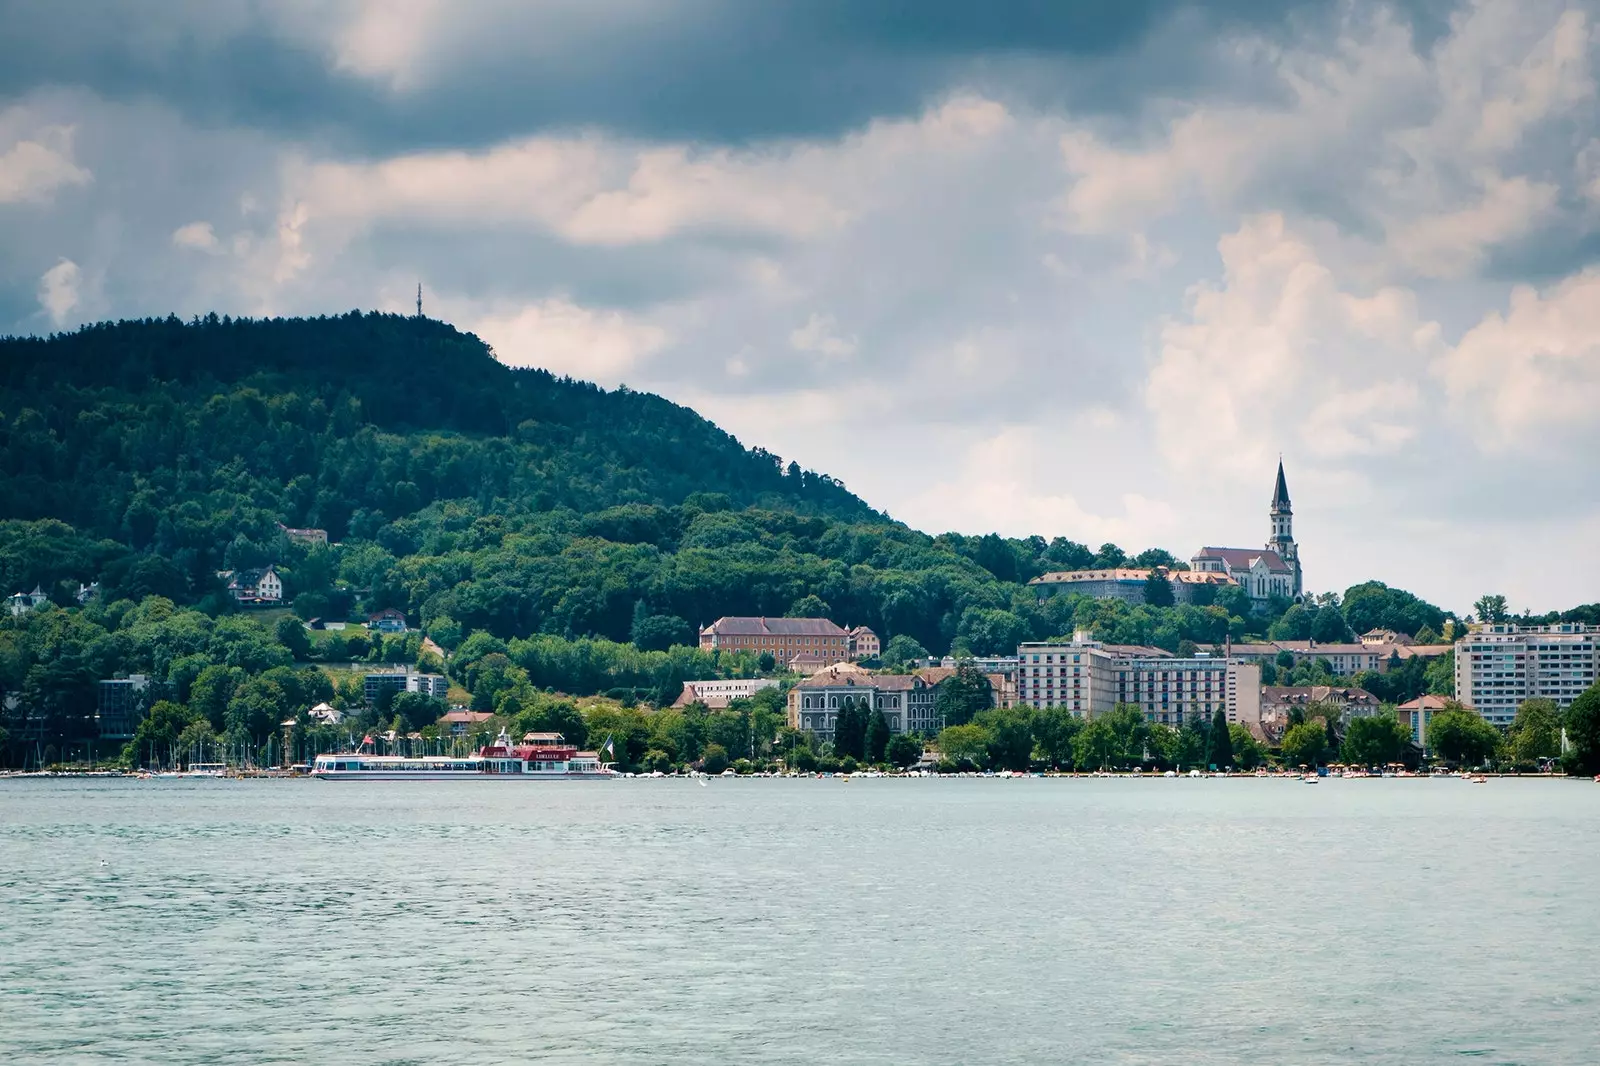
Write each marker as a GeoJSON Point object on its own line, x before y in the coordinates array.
{"type": "Point", "coordinates": [1282, 540]}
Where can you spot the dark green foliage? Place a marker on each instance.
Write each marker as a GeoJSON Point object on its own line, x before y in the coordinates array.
{"type": "Point", "coordinates": [902, 750]}
{"type": "Point", "coordinates": [1158, 590]}
{"type": "Point", "coordinates": [1375, 741]}
{"type": "Point", "coordinates": [1011, 739]}
{"type": "Point", "coordinates": [963, 695]}
{"type": "Point", "coordinates": [1583, 733]}
{"type": "Point", "coordinates": [1462, 737]}
{"type": "Point", "coordinates": [1305, 744]}
{"type": "Point", "coordinates": [850, 730]}
{"type": "Point", "coordinates": [715, 759]}
{"type": "Point", "coordinates": [1055, 728]}
{"type": "Point", "coordinates": [1374, 605]}
{"type": "Point", "coordinates": [877, 738]}
{"type": "Point", "coordinates": [1219, 743]}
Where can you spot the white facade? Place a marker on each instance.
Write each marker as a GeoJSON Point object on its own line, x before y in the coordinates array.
{"type": "Point", "coordinates": [1499, 666]}
{"type": "Point", "coordinates": [1088, 679]}
{"type": "Point", "coordinates": [719, 692]}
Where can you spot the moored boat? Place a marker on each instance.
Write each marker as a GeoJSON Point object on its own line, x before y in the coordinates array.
{"type": "Point", "coordinates": [539, 757]}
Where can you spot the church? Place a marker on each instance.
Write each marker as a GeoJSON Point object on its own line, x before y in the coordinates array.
{"type": "Point", "coordinates": [1262, 572]}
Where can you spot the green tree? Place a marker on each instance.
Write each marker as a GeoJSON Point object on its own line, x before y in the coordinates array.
{"type": "Point", "coordinates": [1010, 733]}
{"type": "Point", "coordinates": [1247, 751]}
{"type": "Point", "coordinates": [903, 750]}
{"type": "Point", "coordinates": [1462, 737]}
{"type": "Point", "coordinates": [715, 759]}
{"type": "Point", "coordinates": [291, 633]}
{"type": "Point", "coordinates": [1158, 589]}
{"type": "Point", "coordinates": [1305, 744]}
{"type": "Point", "coordinates": [1375, 740]}
{"type": "Point", "coordinates": [850, 730]}
{"type": "Point", "coordinates": [1055, 728]}
{"type": "Point", "coordinates": [964, 744]}
{"type": "Point", "coordinates": [1219, 743]}
{"type": "Point", "coordinates": [877, 738]}
{"type": "Point", "coordinates": [962, 695]}
{"type": "Point", "coordinates": [901, 649]}
{"type": "Point", "coordinates": [1491, 608]}
{"type": "Point", "coordinates": [1536, 732]}
{"type": "Point", "coordinates": [1583, 733]}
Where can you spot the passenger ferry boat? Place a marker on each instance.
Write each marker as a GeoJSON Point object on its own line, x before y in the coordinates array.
{"type": "Point", "coordinates": [540, 757]}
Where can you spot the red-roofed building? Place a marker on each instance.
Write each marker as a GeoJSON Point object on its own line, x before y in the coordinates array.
{"type": "Point", "coordinates": [785, 638]}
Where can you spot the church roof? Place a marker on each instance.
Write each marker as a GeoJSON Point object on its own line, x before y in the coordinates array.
{"type": "Point", "coordinates": [1280, 492]}
{"type": "Point", "coordinates": [1241, 558]}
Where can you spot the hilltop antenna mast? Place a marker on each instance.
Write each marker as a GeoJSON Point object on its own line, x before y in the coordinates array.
{"type": "Point", "coordinates": [419, 299]}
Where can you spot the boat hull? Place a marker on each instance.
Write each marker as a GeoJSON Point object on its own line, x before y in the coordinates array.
{"type": "Point", "coordinates": [447, 775]}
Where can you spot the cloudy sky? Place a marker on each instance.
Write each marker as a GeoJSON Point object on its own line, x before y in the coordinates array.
{"type": "Point", "coordinates": [1068, 269]}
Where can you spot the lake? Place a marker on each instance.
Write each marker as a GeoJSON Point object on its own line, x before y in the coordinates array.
{"type": "Point", "coordinates": [904, 921]}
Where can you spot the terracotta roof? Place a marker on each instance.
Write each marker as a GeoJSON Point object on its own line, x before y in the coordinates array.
{"type": "Point", "coordinates": [1429, 702]}
{"type": "Point", "coordinates": [472, 717]}
{"type": "Point", "coordinates": [1242, 558]}
{"type": "Point", "coordinates": [781, 627]}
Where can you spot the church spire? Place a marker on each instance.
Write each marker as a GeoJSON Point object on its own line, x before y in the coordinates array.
{"type": "Point", "coordinates": [1280, 494]}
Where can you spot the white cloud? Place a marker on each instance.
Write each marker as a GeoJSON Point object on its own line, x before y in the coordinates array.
{"type": "Point", "coordinates": [1533, 373]}
{"type": "Point", "coordinates": [564, 338]}
{"type": "Point", "coordinates": [58, 291]}
{"type": "Point", "coordinates": [197, 236]}
{"type": "Point", "coordinates": [1280, 354]}
{"type": "Point", "coordinates": [820, 335]}
{"type": "Point", "coordinates": [1419, 145]}
{"type": "Point", "coordinates": [32, 169]}
{"type": "Point", "coordinates": [1005, 484]}
{"type": "Point", "coordinates": [1455, 243]}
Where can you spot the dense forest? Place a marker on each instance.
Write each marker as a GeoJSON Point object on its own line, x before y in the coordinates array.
{"type": "Point", "coordinates": [579, 534]}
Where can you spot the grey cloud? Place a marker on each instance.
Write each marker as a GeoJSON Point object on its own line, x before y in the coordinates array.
{"type": "Point", "coordinates": [721, 70]}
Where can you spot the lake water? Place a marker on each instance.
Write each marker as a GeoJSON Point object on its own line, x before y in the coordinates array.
{"type": "Point", "coordinates": [961, 921]}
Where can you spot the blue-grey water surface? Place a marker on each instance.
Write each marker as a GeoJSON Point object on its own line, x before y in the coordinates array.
{"type": "Point", "coordinates": [960, 921]}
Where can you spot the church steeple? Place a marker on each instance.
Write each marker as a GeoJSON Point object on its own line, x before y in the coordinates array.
{"type": "Point", "coordinates": [1282, 540]}
{"type": "Point", "coordinates": [1280, 494]}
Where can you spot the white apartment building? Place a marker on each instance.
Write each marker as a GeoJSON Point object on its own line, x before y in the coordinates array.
{"type": "Point", "coordinates": [1499, 666]}
{"type": "Point", "coordinates": [719, 692]}
{"type": "Point", "coordinates": [1088, 678]}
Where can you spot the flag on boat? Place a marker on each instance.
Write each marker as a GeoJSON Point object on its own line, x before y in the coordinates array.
{"type": "Point", "coordinates": [608, 749]}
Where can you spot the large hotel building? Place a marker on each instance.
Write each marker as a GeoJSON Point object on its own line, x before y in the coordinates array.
{"type": "Point", "coordinates": [1091, 678]}
{"type": "Point", "coordinates": [1499, 666]}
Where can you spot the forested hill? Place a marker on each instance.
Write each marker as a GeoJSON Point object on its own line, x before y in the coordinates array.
{"type": "Point", "coordinates": [147, 455]}
{"type": "Point", "coordinates": [429, 408]}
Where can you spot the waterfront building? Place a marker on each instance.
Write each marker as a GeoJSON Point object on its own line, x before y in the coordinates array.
{"type": "Point", "coordinates": [1498, 666]}
{"type": "Point", "coordinates": [1090, 678]}
{"type": "Point", "coordinates": [396, 681]}
{"type": "Point", "coordinates": [906, 700]}
{"type": "Point", "coordinates": [121, 706]}
{"type": "Point", "coordinates": [1127, 584]}
{"type": "Point", "coordinates": [719, 692]}
{"type": "Point", "coordinates": [1277, 701]}
{"type": "Point", "coordinates": [1417, 714]}
{"type": "Point", "coordinates": [1262, 572]}
{"type": "Point", "coordinates": [785, 638]}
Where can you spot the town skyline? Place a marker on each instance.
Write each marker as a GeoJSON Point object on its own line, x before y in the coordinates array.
{"type": "Point", "coordinates": [1069, 273]}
